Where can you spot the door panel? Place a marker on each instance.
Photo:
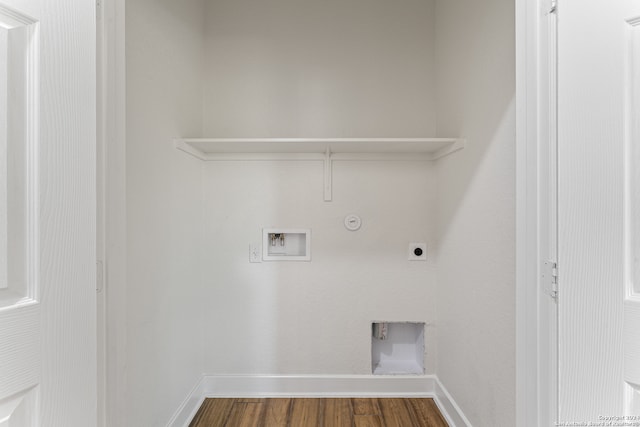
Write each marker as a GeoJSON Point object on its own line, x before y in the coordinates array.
{"type": "Point", "coordinates": [594, 84]}
{"type": "Point", "coordinates": [19, 77]}
{"type": "Point", "coordinates": [19, 308]}
{"type": "Point", "coordinates": [47, 213]}
{"type": "Point", "coordinates": [19, 346]}
{"type": "Point", "coordinates": [632, 232]}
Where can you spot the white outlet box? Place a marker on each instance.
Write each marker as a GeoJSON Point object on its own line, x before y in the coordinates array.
{"type": "Point", "coordinates": [417, 252]}
{"type": "Point", "coordinates": [286, 244]}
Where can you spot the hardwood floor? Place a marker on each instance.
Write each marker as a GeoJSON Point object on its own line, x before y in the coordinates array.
{"type": "Point", "coordinates": [318, 413]}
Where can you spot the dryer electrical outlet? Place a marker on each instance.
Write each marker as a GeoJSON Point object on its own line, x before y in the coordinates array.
{"type": "Point", "coordinates": [417, 252]}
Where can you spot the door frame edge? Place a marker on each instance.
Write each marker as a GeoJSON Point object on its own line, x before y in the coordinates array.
{"type": "Point", "coordinates": [112, 137]}
{"type": "Point", "coordinates": [535, 379]}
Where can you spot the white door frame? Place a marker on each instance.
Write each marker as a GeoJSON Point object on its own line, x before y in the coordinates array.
{"type": "Point", "coordinates": [112, 331]}
{"type": "Point", "coordinates": [536, 217]}
{"type": "Point", "coordinates": [535, 380]}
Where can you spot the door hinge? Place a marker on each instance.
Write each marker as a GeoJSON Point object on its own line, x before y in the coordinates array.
{"type": "Point", "coordinates": [553, 8]}
{"type": "Point", "coordinates": [550, 278]}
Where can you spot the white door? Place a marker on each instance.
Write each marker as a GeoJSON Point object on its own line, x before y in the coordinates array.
{"type": "Point", "coordinates": [598, 167]}
{"type": "Point", "coordinates": [47, 213]}
{"type": "Point", "coordinates": [631, 336]}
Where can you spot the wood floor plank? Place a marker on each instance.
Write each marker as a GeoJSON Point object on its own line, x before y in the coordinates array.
{"type": "Point", "coordinates": [318, 413]}
{"type": "Point", "coordinates": [305, 412]}
{"type": "Point", "coordinates": [277, 412]}
{"type": "Point", "coordinates": [367, 421]}
{"type": "Point", "coordinates": [245, 415]}
{"type": "Point", "coordinates": [213, 413]}
{"type": "Point", "coordinates": [365, 407]}
{"type": "Point", "coordinates": [337, 413]}
{"type": "Point", "coordinates": [395, 413]}
{"type": "Point", "coordinates": [427, 413]}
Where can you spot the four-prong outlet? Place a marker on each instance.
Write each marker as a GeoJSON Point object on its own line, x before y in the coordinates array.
{"type": "Point", "coordinates": [417, 251]}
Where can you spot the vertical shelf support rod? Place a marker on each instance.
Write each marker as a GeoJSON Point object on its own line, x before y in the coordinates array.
{"type": "Point", "coordinates": [328, 178]}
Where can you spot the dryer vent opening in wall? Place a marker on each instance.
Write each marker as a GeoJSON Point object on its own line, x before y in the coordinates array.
{"type": "Point", "coordinates": [398, 351]}
{"type": "Point", "coordinates": [282, 244]}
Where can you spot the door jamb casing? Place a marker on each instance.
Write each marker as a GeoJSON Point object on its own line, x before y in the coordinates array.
{"type": "Point", "coordinates": [112, 166]}
{"type": "Point", "coordinates": [536, 221]}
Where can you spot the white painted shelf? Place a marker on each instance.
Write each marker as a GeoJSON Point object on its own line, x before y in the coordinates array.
{"type": "Point", "coordinates": [327, 150]}
{"type": "Point", "coordinates": [351, 148]}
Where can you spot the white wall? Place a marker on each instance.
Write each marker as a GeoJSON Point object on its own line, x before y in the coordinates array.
{"type": "Point", "coordinates": [314, 317]}
{"type": "Point", "coordinates": [285, 68]}
{"type": "Point", "coordinates": [333, 68]}
{"type": "Point", "coordinates": [164, 324]}
{"type": "Point", "coordinates": [476, 208]}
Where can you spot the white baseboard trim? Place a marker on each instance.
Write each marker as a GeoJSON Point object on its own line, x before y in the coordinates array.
{"type": "Point", "coordinates": [449, 408]}
{"type": "Point", "coordinates": [319, 386]}
{"type": "Point", "coordinates": [189, 407]}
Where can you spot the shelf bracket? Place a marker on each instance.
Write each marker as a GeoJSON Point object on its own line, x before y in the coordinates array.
{"type": "Point", "coordinates": [328, 176]}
